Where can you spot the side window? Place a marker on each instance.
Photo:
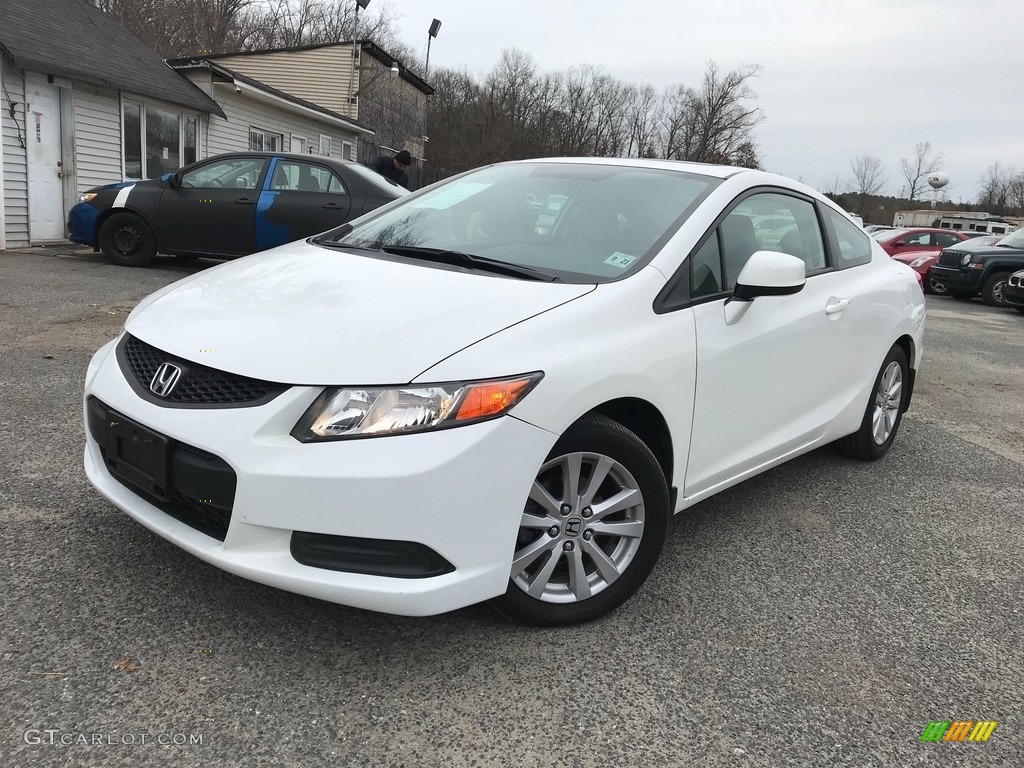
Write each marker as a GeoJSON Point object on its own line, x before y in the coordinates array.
{"type": "Point", "coordinates": [921, 238]}
{"type": "Point", "coordinates": [706, 268]}
{"type": "Point", "coordinates": [297, 176]}
{"type": "Point", "coordinates": [943, 240]}
{"type": "Point", "coordinates": [336, 187]}
{"type": "Point", "coordinates": [770, 221]}
{"type": "Point", "coordinates": [238, 173]}
{"type": "Point", "coordinates": [854, 245]}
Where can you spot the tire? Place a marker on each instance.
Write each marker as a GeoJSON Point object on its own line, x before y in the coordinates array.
{"type": "Point", "coordinates": [127, 240]}
{"type": "Point", "coordinates": [884, 414]}
{"type": "Point", "coordinates": [962, 295]}
{"type": "Point", "coordinates": [554, 546]}
{"type": "Point", "coordinates": [992, 292]}
{"type": "Point", "coordinates": [933, 286]}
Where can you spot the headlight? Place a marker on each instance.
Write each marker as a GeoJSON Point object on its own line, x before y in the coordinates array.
{"type": "Point", "coordinates": [340, 413]}
{"type": "Point", "coordinates": [965, 259]}
{"type": "Point", "coordinates": [918, 262]}
{"type": "Point", "coordinates": [85, 198]}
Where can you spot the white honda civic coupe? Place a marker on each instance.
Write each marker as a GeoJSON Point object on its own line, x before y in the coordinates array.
{"type": "Point", "coordinates": [501, 387]}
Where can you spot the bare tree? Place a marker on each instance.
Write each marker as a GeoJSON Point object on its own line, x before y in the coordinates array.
{"type": "Point", "coordinates": [868, 175]}
{"type": "Point", "coordinates": [996, 186]}
{"type": "Point", "coordinates": [918, 167]}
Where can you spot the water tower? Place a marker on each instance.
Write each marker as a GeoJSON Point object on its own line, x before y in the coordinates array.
{"type": "Point", "coordinates": [937, 180]}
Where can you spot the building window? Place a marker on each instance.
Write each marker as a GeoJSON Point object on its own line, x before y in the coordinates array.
{"type": "Point", "coordinates": [190, 153]}
{"type": "Point", "coordinates": [261, 141]}
{"type": "Point", "coordinates": [132, 140]}
{"type": "Point", "coordinates": [156, 141]}
{"type": "Point", "coordinates": [347, 151]}
{"type": "Point", "coordinates": [325, 145]}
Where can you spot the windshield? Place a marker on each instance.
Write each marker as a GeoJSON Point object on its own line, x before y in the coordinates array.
{"type": "Point", "coordinates": [580, 222]}
{"type": "Point", "coordinates": [885, 235]}
{"type": "Point", "coordinates": [1013, 240]}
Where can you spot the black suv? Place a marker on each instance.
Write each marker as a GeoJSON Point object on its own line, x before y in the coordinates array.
{"type": "Point", "coordinates": [967, 273]}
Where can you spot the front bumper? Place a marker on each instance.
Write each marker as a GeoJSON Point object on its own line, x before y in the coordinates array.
{"type": "Point", "coordinates": [82, 224]}
{"type": "Point", "coordinates": [459, 492]}
{"type": "Point", "coordinates": [1013, 295]}
{"type": "Point", "coordinates": [964, 280]}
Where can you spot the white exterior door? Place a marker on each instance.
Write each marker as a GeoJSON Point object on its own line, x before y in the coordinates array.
{"type": "Point", "coordinates": [45, 185]}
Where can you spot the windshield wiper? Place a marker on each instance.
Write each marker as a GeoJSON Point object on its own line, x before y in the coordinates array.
{"type": "Point", "coordinates": [459, 259]}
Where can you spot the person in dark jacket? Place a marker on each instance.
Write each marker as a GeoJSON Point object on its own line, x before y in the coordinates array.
{"type": "Point", "coordinates": [394, 168]}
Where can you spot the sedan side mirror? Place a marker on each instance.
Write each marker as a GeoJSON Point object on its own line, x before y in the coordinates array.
{"type": "Point", "coordinates": [766, 273]}
{"type": "Point", "coordinates": [174, 181]}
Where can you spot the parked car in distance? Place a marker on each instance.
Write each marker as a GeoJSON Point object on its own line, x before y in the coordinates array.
{"type": "Point", "coordinates": [1013, 293]}
{"type": "Point", "coordinates": [923, 261]}
{"type": "Point", "coordinates": [872, 228]}
{"type": "Point", "coordinates": [226, 206]}
{"type": "Point", "coordinates": [466, 396]}
{"type": "Point", "coordinates": [895, 241]}
{"type": "Point", "coordinates": [982, 271]}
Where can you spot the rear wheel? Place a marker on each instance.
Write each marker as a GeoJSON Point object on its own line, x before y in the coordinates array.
{"type": "Point", "coordinates": [127, 240]}
{"type": "Point", "coordinates": [884, 413]}
{"type": "Point", "coordinates": [592, 528]}
{"type": "Point", "coordinates": [992, 292]}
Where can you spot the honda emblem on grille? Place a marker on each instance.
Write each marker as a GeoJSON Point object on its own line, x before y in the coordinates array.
{"type": "Point", "coordinates": [165, 379]}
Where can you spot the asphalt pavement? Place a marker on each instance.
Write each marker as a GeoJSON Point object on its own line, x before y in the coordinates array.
{"type": "Point", "coordinates": [821, 614]}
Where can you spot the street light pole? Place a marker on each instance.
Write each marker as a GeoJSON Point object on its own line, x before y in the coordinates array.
{"type": "Point", "coordinates": [435, 27]}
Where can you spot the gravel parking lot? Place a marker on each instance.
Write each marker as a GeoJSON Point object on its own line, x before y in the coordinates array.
{"type": "Point", "coordinates": [821, 614]}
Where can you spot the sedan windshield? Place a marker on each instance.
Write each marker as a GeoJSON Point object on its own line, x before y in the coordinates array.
{"type": "Point", "coordinates": [885, 235]}
{"type": "Point", "coordinates": [578, 222]}
{"type": "Point", "coordinates": [1013, 240]}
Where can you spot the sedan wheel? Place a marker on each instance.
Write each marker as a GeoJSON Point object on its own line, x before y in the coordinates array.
{"type": "Point", "coordinates": [127, 240]}
{"type": "Point", "coordinates": [884, 412]}
{"type": "Point", "coordinates": [592, 528]}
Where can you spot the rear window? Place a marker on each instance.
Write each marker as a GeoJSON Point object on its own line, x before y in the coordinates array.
{"type": "Point", "coordinates": [582, 222]}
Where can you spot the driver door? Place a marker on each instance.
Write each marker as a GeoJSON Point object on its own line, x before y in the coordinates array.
{"type": "Point", "coordinates": [213, 211]}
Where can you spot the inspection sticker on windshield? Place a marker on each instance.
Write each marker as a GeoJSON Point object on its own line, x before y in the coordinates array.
{"type": "Point", "coordinates": [620, 260]}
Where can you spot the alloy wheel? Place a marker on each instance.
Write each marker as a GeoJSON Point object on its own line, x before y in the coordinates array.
{"type": "Point", "coordinates": [887, 402]}
{"type": "Point", "coordinates": [580, 530]}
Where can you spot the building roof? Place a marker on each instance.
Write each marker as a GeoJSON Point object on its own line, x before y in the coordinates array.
{"type": "Point", "coordinates": [229, 75]}
{"type": "Point", "coordinates": [367, 45]}
{"type": "Point", "coordinates": [71, 38]}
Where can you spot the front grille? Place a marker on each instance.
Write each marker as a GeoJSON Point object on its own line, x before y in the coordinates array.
{"type": "Point", "coordinates": [950, 259]}
{"type": "Point", "coordinates": [200, 487]}
{"type": "Point", "coordinates": [198, 384]}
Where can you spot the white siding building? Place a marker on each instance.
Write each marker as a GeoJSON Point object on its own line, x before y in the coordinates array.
{"type": "Point", "coordinates": [83, 103]}
{"type": "Point", "coordinates": [259, 117]}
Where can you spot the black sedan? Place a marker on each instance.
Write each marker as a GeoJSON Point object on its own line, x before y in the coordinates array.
{"type": "Point", "coordinates": [226, 206]}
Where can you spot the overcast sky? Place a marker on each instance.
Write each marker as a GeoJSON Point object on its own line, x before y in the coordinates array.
{"type": "Point", "coordinates": [839, 78]}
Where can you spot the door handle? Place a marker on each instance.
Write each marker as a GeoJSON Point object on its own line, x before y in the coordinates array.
{"type": "Point", "coordinates": [835, 306]}
{"type": "Point", "coordinates": [332, 206]}
{"type": "Point", "coordinates": [244, 201]}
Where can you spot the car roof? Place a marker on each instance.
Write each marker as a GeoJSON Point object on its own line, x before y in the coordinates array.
{"type": "Point", "coordinates": [286, 155]}
{"type": "Point", "coordinates": [706, 169]}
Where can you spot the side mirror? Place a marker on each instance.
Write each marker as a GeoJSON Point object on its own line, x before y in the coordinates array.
{"type": "Point", "coordinates": [766, 273]}
{"type": "Point", "coordinates": [899, 244]}
{"type": "Point", "coordinates": [174, 181]}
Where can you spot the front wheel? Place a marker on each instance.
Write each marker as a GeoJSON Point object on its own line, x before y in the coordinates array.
{"type": "Point", "coordinates": [937, 287]}
{"type": "Point", "coordinates": [992, 293]}
{"type": "Point", "coordinates": [592, 528]}
{"type": "Point", "coordinates": [127, 240]}
{"type": "Point", "coordinates": [884, 413]}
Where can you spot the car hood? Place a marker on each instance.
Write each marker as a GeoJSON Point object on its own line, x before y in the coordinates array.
{"type": "Point", "coordinates": [302, 314]}
{"type": "Point", "coordinates": [907, 258]}
{"type": "Point", "coordinates": [120, 184]}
